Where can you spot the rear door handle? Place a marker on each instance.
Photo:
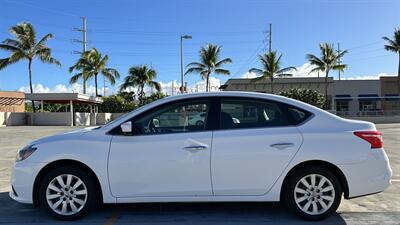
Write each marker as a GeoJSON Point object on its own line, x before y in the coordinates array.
{"type": "Point", "coordinates": [282, 146]}
{"type": "Point", "coordinates": [195, 148]}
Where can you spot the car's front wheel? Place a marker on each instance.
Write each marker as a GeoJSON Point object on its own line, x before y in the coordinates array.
{"type": "Point", "coordinates": [68, 193]}
{"type": "Point", "coordinates": [313, 193]}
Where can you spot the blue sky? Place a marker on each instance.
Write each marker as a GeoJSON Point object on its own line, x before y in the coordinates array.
{"type": "Point", "coordinates": [147, 32]}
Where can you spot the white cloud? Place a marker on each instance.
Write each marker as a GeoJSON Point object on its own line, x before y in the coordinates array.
{"type": "Point", "coordinates": [61, 88]}
{"type": "Point", "coordinates": [304, 71]}
{"type": "Point", "coordinates": [249, 75]}
{"type": "Point", "coordinates": [368, 77]}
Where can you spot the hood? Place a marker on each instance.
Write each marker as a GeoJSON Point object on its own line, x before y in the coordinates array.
{"type": "Point", "coordinates": [64, 136]}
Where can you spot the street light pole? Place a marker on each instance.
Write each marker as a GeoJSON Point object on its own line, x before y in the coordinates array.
{"type": "Point", "coordinates": [182, 89]}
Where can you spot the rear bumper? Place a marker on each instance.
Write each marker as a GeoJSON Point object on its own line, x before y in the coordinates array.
{"type": "Point", "coordinates": [370, 176]}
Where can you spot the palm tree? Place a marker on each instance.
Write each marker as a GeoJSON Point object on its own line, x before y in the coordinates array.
{"type": "Point", "coordinates": [209, 63]}
{"type": "Point", "coordinates": [91, 64]}
{"type": "Point", "coordinates": [139, 76]}
{"type": "Point", "coordinates": [25, 47]}
{"type": "Point", "coordinates": [329, 61]}
{"type": "Point", "coordinates": [393, 45]}
{"type": "Point", "coordinates": [271, 64]}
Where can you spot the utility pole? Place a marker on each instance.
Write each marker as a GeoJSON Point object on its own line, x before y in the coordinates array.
{"type": "Point", "coordinates": [270, 38]}
{"type": "Point", "coordinates": [182, 88]}
{"type": "Point", "coordinates": [338, 52]}
{"type": "Point", "coordinates": [172, 88]}
{"type": "Point", "coordinates": [83, 42]}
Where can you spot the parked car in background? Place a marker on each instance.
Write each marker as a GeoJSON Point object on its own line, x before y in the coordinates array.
{"type": "Point", "coordinates": [282, 150]}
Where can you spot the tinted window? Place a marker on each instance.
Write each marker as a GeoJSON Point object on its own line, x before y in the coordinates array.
{"type": "Point", "coordinates": [246, 113]}
{"type": "Point", "coordinates": [298, 115]}
{"type": "Point", "coordinates": [176, 118]}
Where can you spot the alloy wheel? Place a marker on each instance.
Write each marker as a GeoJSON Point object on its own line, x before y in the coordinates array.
{"type": "Point", "coordinates": [66, 194]}
{"type": "Point", "coordinates": [314, 194]}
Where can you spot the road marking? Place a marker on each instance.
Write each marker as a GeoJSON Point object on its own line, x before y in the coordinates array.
{"type": "Point", "coordinates": [395, 180]}
{"type": "Point", "coordinates": [114, 217]}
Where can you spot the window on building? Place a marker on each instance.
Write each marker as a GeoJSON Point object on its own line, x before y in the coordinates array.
{"type": "Point", "coordinates": [342, 106]}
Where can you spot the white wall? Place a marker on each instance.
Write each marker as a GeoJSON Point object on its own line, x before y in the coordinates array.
{"type": "Point", "coordinates": [2, 119]}
{"type": "Point", "coordinates": [103, 118]}
{"type": "Point", "coordinates": [49, 118]}
{"type": "Point", "coordinates": [12, 118]}
{"type": "Point", "coordinates": [82, 119]}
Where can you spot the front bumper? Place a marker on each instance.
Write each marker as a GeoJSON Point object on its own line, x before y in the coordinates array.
{"type": "Point", "coordinates": [370, 176]}
{"type": "Point", "coordinates": [22, 181]}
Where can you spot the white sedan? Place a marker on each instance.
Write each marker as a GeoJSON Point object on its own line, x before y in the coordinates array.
{"type": "Point", "coordinates": [282, 150]}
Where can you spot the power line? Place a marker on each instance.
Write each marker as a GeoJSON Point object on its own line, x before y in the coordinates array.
{"type": "Point", "coordinates": [42, 8]}
{"type": "Point", "coordinates": [252, 57]}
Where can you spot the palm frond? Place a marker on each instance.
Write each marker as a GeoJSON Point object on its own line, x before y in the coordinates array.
{"type": "Point", "coordinates": [290, 68]}
{"type": "Point", "coordinates": [255, 70]}
{"type": "Point", "coordinates": [195, 64]}
{"type": "Point", "coordinates": [314, 60]}
{"type": "Point", "coordinates": [156, 85]}
{"type": "Point", "coordinates": [11, 48]}
{"type": "Point", "coordinates": [76, 77]}
{"type": "Point", "coordinates": [222, 71]}
{"type": "Point", "coordinates": [222, 62]}
{"type": "Point", "coordinates": [194, 70]}
{"type": "Point", "coordinates": [43, 41]}
{"type": "Point", "coordinates": [340, 67]}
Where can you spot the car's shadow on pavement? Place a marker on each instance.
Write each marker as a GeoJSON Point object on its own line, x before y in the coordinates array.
{"type": "Point", "coordinates": [12, 212]}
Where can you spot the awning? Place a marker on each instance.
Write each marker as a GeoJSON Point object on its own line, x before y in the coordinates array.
{"type": "Point", "coordinates": [369, 97]}
{"type": "Point", "coordinates": [343, 98]}
{"type": "Point", "coordinates": [392, 97]}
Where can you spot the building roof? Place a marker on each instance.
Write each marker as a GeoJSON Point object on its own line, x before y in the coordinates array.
{"type": "Point", "coordinates": [63, 98]}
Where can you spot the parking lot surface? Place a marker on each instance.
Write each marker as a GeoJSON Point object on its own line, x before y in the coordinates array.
{"type": "Point", "coordinates": [383, 208]}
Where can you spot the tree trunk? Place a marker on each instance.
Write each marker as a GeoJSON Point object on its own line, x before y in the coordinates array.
{"type": "Point", "coordinates": [398, 77]}
{"type": "Point", "coordinates": [208, 83]}
{"type": "Point", "coordinates": [95, 83]}
{"type": "Point", "coordinates": [326, 89]}
{"type": "Point", "coordinates": [272, 85]}
{"type": "Point", "coordinates": [84, 85]}
{"type": "Point", "coordinates": [141, 94]}
{"type": "Point", "coordinates": [30, 83]}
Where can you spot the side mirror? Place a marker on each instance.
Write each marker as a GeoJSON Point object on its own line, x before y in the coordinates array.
{"type": "Point", "coordinates": [126, 127]}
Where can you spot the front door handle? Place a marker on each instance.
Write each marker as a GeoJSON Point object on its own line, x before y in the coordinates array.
{"type": "Point", "coordinates": [195, 148]}
{"type": "Point", "coordinates": [282, 146]}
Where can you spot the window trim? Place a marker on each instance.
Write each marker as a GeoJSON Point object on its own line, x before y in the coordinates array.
{"type": "Point", "coordinates": [210, 125]}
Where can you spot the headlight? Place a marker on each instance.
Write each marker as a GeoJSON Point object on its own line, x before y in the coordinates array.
{"type": "Point", "coordinates": [25, 152]}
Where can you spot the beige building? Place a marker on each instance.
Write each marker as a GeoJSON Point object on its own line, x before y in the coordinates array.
{"type": "Point", "coordinates": [347, 97]}
{"type": "Point", "coordinates": [11, 101]}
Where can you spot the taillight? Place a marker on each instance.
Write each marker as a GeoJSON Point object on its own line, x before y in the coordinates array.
{"type": "Point", "coordinates": [373, 137]}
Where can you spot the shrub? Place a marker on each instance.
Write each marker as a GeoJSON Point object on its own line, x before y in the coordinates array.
{"type": "Point", "coordinates": [306, 95]}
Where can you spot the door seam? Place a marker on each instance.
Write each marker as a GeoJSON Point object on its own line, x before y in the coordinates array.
{"type": "Point", "coordinates": [210, 162]}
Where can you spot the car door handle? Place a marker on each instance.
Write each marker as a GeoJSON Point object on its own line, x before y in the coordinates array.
{"type": "Point", "coordinates": [282, 146]}
{"type": "Point", "coordinates": [195, 148]}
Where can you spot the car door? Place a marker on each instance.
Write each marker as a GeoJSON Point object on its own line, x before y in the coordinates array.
{"type": "Point", "coordinates": [254, 144]}
{"type": "Point", "coordinates": [164, 155]}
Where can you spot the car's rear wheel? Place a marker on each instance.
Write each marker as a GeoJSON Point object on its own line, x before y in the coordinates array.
{"type": "Point", "coordinates": [313, 193]}
{"type": "Point", "coordinates": [68, 193]}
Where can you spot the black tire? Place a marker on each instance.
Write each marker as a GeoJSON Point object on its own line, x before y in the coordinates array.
{"type": "Point", "coordinates": [85, 177]}
{"type": "Point", "coordinates": [289, 193]}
